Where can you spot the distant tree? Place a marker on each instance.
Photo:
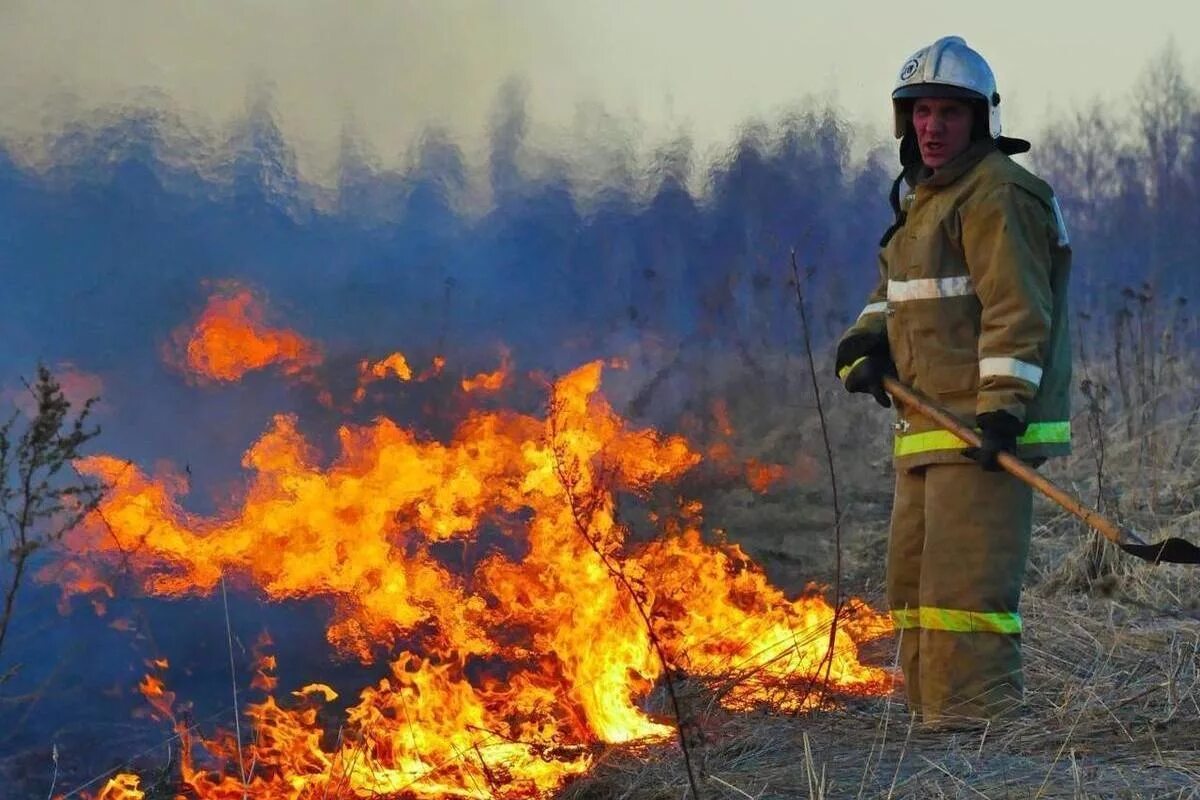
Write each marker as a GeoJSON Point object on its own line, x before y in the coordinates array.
{"type": "Point", "coordinates": [1190, 235]}
{"type": "Point", "coordinates": [1078, 155]}
{"type": "Point", "coordinates": [1165, 107]}
{"type": "Point", "coordinates": [1127, 175]}
{"type": "Point", "coordinates": [509, 126]}
{"type": "Point", "coordinates": [41, 498]}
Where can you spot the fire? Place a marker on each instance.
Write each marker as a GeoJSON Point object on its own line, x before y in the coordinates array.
{"type": "Point", "coordinates": [231, 339]}
{"type": "Point", "coordinates": [503, 677]}
{"type": "Point", "coordinates": [762, 477]}
{"type": "Point", "coordinates": [489, 381]}
{"type": "Point", "coordinates": [745, 628]}
{"type": "Point", "coordinates": [758, 475]}
{"type": "Point", "coordinates": [395, 364]}
{"type": "Point", "coordinates": [156, 694]}
{"type": "Point", "coordinates": [368, 372]}
{"type": "Point", "coordinates": [122, 787]}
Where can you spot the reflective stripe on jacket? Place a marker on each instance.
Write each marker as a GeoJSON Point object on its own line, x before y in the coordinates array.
{"type": "Point", "coordinates": [972, 298]}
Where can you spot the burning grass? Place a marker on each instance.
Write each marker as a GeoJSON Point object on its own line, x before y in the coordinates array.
{"type": "Point", "coordinates": [1112, 645]}
{"type": "Point", "coordinates": [505, 681]}
{"type": "Point", "coordinates": [1112, 712]}
{"type": "Point", "coordinates": [585, 707]}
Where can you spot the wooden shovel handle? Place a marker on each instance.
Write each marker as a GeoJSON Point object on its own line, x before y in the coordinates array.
{"type": "Point", "coordinates": [1110, 530]}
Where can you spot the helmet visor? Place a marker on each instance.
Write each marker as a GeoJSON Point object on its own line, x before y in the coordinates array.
{"type": "Point", "coordinates": [916, 90]}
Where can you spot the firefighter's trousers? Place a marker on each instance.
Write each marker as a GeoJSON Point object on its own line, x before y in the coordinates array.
{"type": "Point", "coordinates": [956, 559]}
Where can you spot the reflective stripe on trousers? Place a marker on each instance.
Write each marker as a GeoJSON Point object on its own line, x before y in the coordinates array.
{"type": "Point", "coordinates": [957, 620]}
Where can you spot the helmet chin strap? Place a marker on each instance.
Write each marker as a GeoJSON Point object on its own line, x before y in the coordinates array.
{"type": "Point", "coordinates": [910, 152]}
{"type": "Point", "coordinates": [910, 156]}
{"type": "Point", "coordinates": [899, 214]}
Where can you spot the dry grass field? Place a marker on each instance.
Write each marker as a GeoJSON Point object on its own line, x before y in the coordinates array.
{"type": "Point", "coordinates": [1112, 645]}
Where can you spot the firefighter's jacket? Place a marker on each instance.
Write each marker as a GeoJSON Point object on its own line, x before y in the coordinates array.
{"type": "Point", "coordinates": [972, 306]}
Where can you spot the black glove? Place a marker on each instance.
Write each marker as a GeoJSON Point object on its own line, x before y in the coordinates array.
{"type": "Point", "coordinates": [866, 376]}
{"type": "Point", "coordinates": [999, 431]}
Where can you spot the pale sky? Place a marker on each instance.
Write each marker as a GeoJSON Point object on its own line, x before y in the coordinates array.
{"type": "Point", "coordinates": [698, 66]}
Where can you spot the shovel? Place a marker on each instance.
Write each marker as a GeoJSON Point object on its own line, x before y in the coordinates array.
{"type": "Point", "coordinates": [1170, 551]}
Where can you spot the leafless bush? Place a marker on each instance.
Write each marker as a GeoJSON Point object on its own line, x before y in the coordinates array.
{"type": "Point", "coordinates": [41, 498]}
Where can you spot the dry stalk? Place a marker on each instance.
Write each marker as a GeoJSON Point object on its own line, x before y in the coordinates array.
{"type": "Point", "coordinates": [180, 734]}
{"type": "Point", "coordinates": [816, 781]}
{"type": "Point", "coordinates": [582, 515]}
{"type": "Point", "coordinates": [237, 723]}
{"type": "Point", "coordinates": [833, 482]}
{"type": "Point", "coordinates": [54, 777]}
{"type": "Point", "coordinates": [731, 787]}
{"type": "Point", "coordinates": [903, 751]}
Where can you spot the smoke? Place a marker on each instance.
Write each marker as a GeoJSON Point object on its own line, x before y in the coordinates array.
{"type": "Point", "coordinates": [123, 238]}
{"type": "Point", "coordinates": [390, 69]}
{"type": "Point", "coordinates": [116, 226]}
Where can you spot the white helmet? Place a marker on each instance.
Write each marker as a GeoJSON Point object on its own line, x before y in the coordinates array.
{"type": "Point", "coordinates": [946, 68]}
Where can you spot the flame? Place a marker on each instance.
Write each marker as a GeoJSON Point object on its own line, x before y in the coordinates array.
{"type": "Point", "coordinates": [762, 477]}
{"type": "Point", "coordinates": [758, 475]}
{"type": "Point", "coordinates": [568, 613]}
{"type": "Point", "coordinates": [155, 692]}
{"type": "Point", "coordinates": [264, 666]}
{"type": "Point", "coordinates": [489, 381]}
{"type": "Point", "coordinates": [395, 364]}
{"type": "Point", "coordinates": [746, 628]}
{"type": "Point", "coordinates": [721, 417]}
{"type": "Point", "coordinates": [122, 787]}
{"type": "Point", "coordinates": [369, 372]}
{"type": "Point", "coordinates": [314, 689]}
{"type": "Point", "coordinates": [231, 338]}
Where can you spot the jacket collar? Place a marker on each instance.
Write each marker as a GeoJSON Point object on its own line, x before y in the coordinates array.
{"type": "Point", "coordinates": [920, 175]}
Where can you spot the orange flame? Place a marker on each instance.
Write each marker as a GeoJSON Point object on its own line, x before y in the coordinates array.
{"type": "Point", "coordinates": [489, 381]}
{"type": "Point", "coordinates": [154, 690]}
{"type": "Point", "coordinates": [762, 477]}
{"type": "Point", "coordinates": [122, 787]}
{"type": "Point", "coordinates": [759, 476]}
{"type": "Point", "coordinates": [369, 372]}
{"type": "Point", "coordinates": [231, 339]}
{"type": "Point", "coordinates": [747, 628]}
{"type": "Point", "coordinates": [554, 607]}
{"type": "Point", "coordinates": [395, 364]}
{"type": "Point", "coordinates": [264, 666]}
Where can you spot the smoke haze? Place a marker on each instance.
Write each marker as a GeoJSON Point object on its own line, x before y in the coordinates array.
{"type": "Point", "coordinates": [389, 70]}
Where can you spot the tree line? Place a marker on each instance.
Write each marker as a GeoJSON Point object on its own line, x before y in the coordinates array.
{"type": "Point", "coordinates": [119, 233]}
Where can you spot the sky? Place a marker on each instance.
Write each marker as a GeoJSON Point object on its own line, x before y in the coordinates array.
{"type": "Point", "coordinates": [649, 70]}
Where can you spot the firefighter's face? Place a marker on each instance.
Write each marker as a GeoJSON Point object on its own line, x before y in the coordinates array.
{"type": "Point", "coordinates": [943, 129]}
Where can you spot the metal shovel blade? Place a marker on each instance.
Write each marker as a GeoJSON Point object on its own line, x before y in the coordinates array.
{"type": "Point", "coordinates": [1172, 550]}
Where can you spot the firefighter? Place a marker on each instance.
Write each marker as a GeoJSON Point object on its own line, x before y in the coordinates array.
{"type": "Point", "coordinates": [970, 310]}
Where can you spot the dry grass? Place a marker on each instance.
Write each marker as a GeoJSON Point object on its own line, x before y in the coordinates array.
{"type": "Point", "coordinates": [1112, 645]}
{"type": "Point", "coordinates": [1113, 704]}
